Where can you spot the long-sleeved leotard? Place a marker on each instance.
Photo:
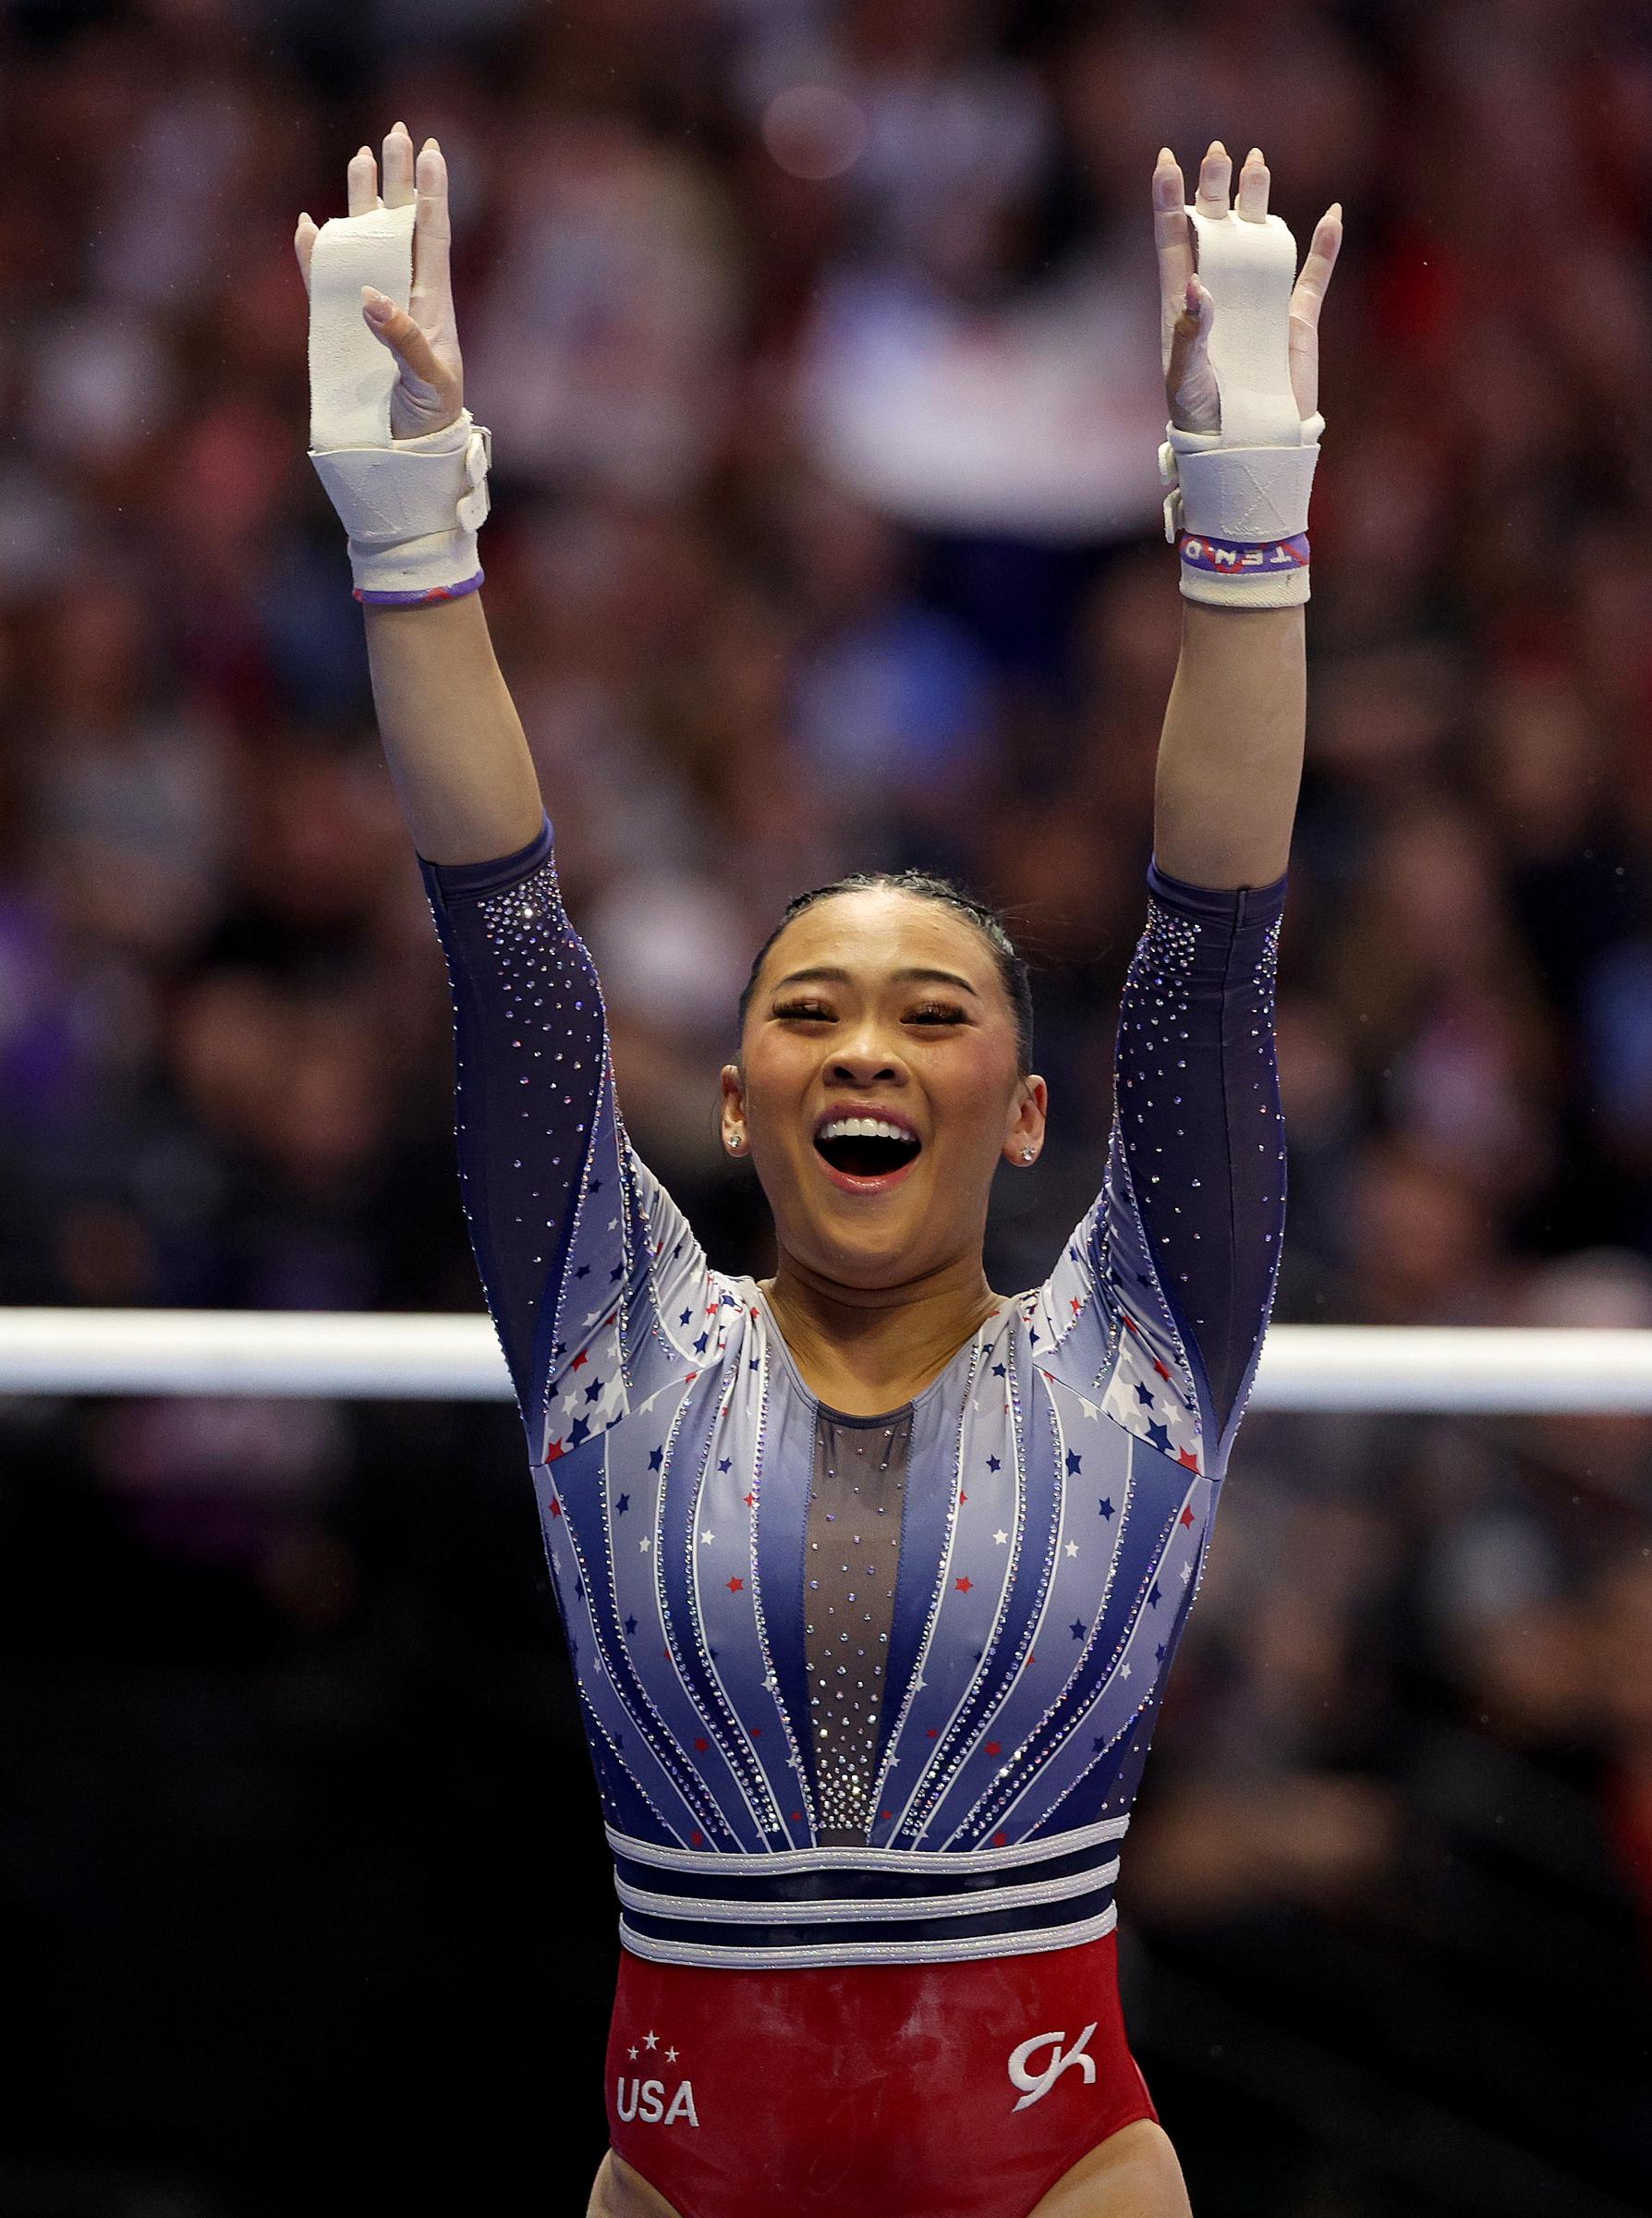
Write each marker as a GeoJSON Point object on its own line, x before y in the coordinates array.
{"type": "Point", "coordinates": [868, 1691]}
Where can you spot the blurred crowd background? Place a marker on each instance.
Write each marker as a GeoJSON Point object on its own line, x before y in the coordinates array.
{"type": "Point", "coordinates": [820, 345]}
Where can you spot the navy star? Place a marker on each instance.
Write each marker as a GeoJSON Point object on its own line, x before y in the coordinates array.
{"type": "Point", "coordinates": [1033, 1336]}
{"type": "Point", "coordinates": [615, 1272]}
{"type": "Point", "coordinates": [596, 1186]}
{"type": "Point", "coordinates": [1096, 1747]}
{"type": "Point", "coordinates": [579, 1589]}
{"type": "Point", "coordinates": [1144, 1394]}
{"type": "Point", "coordinates": [578, 1432]}
{"type": "Point", "coordinates": [583, 1272]}
{"type": "Point", "coordinates": [1077, 1628]}
{"type": "Point", "coordinates": [1074, 1463]}
{"type": "Point", "coordinates": [630, 1625]}
{"type": "Point", "coordinates": [1105, 1506]}
{"type": "Point", "coordinates": [622, 1505]}
{"type": "Point", "coordinates": [1158, 1653]}
{"type": "Point", "coordinates": [1155, 1598]}
{"type": "Point", "coordinates": [993, 1464]}
{"type": "Point", "coordinates": [656, 1459]}
{"type": "Point", "coordinates": [998, 1370]}
{"type": "Point", "coordinates": [724, 1464]}
{"type": "Point", "coordinates": [593, 1393]}
{"type": "Point", "coordinates": [686, 1313]}
{"type": "Point", "coordinates": [1158, 1435]}
{"type": "Point", "coordinates": [756, 1363]}
{"type": "Point", "coordinates": [699, 1345]}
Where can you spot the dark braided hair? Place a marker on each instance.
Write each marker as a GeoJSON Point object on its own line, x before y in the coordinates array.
{"type": "Point", "coordinates": [1012, 965]}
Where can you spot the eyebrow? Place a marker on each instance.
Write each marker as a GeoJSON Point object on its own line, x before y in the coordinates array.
{"type": "Point", "coordinates": [826, 974]}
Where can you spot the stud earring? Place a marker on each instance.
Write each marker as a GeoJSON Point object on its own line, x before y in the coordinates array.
{"type": "Point", "coordinates": [735, 1143]}
{"type": "Point", "coordinates": [1027, 1155]}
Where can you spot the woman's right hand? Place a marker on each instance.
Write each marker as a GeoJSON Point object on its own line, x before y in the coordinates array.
{"type": "Point", "coordinates": [429, 386]}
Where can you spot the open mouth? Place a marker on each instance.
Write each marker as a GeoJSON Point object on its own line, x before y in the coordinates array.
{"type": "Point", "coordinates": [865, 1148]}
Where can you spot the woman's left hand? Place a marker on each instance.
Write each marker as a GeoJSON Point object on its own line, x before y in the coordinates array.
{"type": "Point", "coordinates": [1186, 307]}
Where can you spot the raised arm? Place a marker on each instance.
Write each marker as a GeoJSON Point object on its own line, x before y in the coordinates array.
{"type": "Point", "coordinates": [452, 737]}
{"type": "Point", "coordinates": [1230, 758]}
{"type": "Point", "coordinates": [576, 1244]}
{"type": "Point", "coordinates": [1185, 1236]}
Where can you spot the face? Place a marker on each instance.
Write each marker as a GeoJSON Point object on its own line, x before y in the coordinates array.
{"type": "Point", "coordinates": [877, 1088]}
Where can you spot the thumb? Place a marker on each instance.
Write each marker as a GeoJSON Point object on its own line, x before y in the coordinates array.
{"type": "Point", "coordinates": [397, 331]}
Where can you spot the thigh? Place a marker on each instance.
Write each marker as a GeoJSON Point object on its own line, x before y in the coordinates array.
{"type": "Point", "coordinates": [1134, 2174]}
{"type": "Point", "coordinates": [622, 2192]}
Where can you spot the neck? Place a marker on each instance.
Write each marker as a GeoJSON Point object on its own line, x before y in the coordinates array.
{"type": "Point", "coordinates": [867, 1349]}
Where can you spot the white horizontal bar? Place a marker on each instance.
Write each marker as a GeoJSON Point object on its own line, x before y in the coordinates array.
{"type": "Point", "coordinates": [415, 1356]}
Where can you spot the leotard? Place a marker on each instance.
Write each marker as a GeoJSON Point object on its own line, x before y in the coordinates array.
{"type": "Point", "coordinates": [868, 1700]}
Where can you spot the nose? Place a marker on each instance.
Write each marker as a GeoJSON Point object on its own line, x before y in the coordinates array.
{"type": "Point", "coordinates": [865, 1064]}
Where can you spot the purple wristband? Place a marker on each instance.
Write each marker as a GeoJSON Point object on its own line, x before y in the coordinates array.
{"type": "Point", "coordinates": [1233, 558]}
{"type": "Point", "coordinates": [370, 598]}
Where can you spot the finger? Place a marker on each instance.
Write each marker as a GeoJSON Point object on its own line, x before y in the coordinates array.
{"type": "Point", "coordinates": [1172, 231]}
{"type": "Point", "coordinates": [364, 178]}
{"type": "Point", "coordinates": [1215, 175]}
{"type": "Point", "coordinates": [1252, 199]}
{"type": "Point", "coordinates": [1190, 383]}
{"type": "Point", "coordinates": [397, 188]}
{"type": "Point", "coordinates": [303, 247]}
{"type": "Point", "coordinates": [432, 282]}
{"type": "Point", "coordinates": [397, 328]}
{"type": "Point", "coordinates": [1309, 294]}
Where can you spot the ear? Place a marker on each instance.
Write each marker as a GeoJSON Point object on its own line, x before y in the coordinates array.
{"type": "Point", "coordinates": [1024, 1132]}
{"type": "Point", "coordinates": [734, 1136]}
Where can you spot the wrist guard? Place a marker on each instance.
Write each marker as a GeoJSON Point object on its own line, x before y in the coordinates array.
{"type": "Point", "coordinates": [411, 507]}
{"type": "Point", "coordinates": [1237, 499]}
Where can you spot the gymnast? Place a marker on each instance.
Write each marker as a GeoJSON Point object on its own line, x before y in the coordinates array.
{"type": "Point", "coordinates": [870, 1575]}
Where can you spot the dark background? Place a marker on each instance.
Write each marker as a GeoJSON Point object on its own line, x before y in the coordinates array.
{"type": "Point", "coordinates": [820, 346]}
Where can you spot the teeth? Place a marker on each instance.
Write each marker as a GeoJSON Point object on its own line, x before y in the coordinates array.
{"type": "Point", "coordinates": [863, 1128]}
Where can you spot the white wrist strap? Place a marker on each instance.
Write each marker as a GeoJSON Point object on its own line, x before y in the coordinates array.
{"type": "Point", "coordinates": [411, 507]}
{"type": "Point", "coordinates": [1239, 497]}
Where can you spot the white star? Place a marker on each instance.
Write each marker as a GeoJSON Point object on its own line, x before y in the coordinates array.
{"type": "Point", "coordinates": [1123, 1671]}
{"type": "Point", "coordinates": [1072, 1547]}
{"type": "Point", "coordinates": [671, 2055]}
{"type": "Point", "coordinates": [633, 2052]}
{"type": "Point", "coordinates": [650, 2040]}
{"type": "Point", "coordinates": [1186, 1573]}
{"type": "Point", "coordinates": [645, 1544]}
{"type": "Point", "coordinates": [1000, 1538]}
{"type": "Point", "coordinates": [706, 1539]}
{"type": "Point", "coordinates": [1089, 1408]}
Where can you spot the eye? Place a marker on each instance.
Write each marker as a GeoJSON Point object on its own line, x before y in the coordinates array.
{"type": "Point", "coordinates": [802, 1012]}
{"type": "Point", "coordinates": [937, 1012]}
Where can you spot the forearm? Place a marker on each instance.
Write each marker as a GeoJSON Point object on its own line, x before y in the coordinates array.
{"type": "Point", "coordinates": [457, 754]}
{"type": "Point", "coordinates": [1230, 756]}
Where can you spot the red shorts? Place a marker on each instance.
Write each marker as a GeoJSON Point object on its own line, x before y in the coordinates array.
{"type": "Point", "coordinates": [885, 2090]}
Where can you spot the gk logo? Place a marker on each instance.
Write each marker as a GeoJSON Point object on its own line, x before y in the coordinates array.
{"type": "Point", "coordinates": [1038, 2084]}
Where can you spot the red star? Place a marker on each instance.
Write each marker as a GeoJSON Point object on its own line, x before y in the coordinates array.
{"type": "Point", "coordinates": [1076, 1305]}
{"type": "Point", "coordinates": [994, 1746]}
{"type": "Point", "coordinates": [756, 1732]}
{"type": "Point", "coordinates": [750, 1501]}
{"type": "Point", "coordinates": [690, 1379]}
{"type": "Point", "coordinates": [556, 1506]}
{"type": "Point", "coordinates": [734, 1585]}
{"type": "Point", "coordinates": [934, 1733]}
{"type": "Point", "coordinates": [696, 1840]}
{"type": "Point", "coordinates": [965, 1585]}
{"type": "Point", "coordinates": [1186, 1517]}
{"type": "Point", "coordinates": [963, 1497]}
{"type": "Point", "coordinates": [886, 1814]}
{"type": "Point", "coordinates": [554, 1451]}
{"type": "Point", "coordinates": [702, 1745]}
{"type": "Point", "coordinates": [1187, 1457]}
{"type": "Point", "coordinates": [583, 1357]}
{"type": "Point", "coordinates": [1001, 1840]}
{"type": "Point", "coordinates": [797, 1817]}
{"type": "Point", "coordinates": [710, 1308]}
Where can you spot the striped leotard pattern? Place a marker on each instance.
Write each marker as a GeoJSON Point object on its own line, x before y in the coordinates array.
{"type": "Point", "coordinates": [862, 1691]}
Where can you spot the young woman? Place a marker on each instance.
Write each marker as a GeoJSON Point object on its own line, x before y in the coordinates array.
{"type": "Point", "coordinates": [872, 1576]}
